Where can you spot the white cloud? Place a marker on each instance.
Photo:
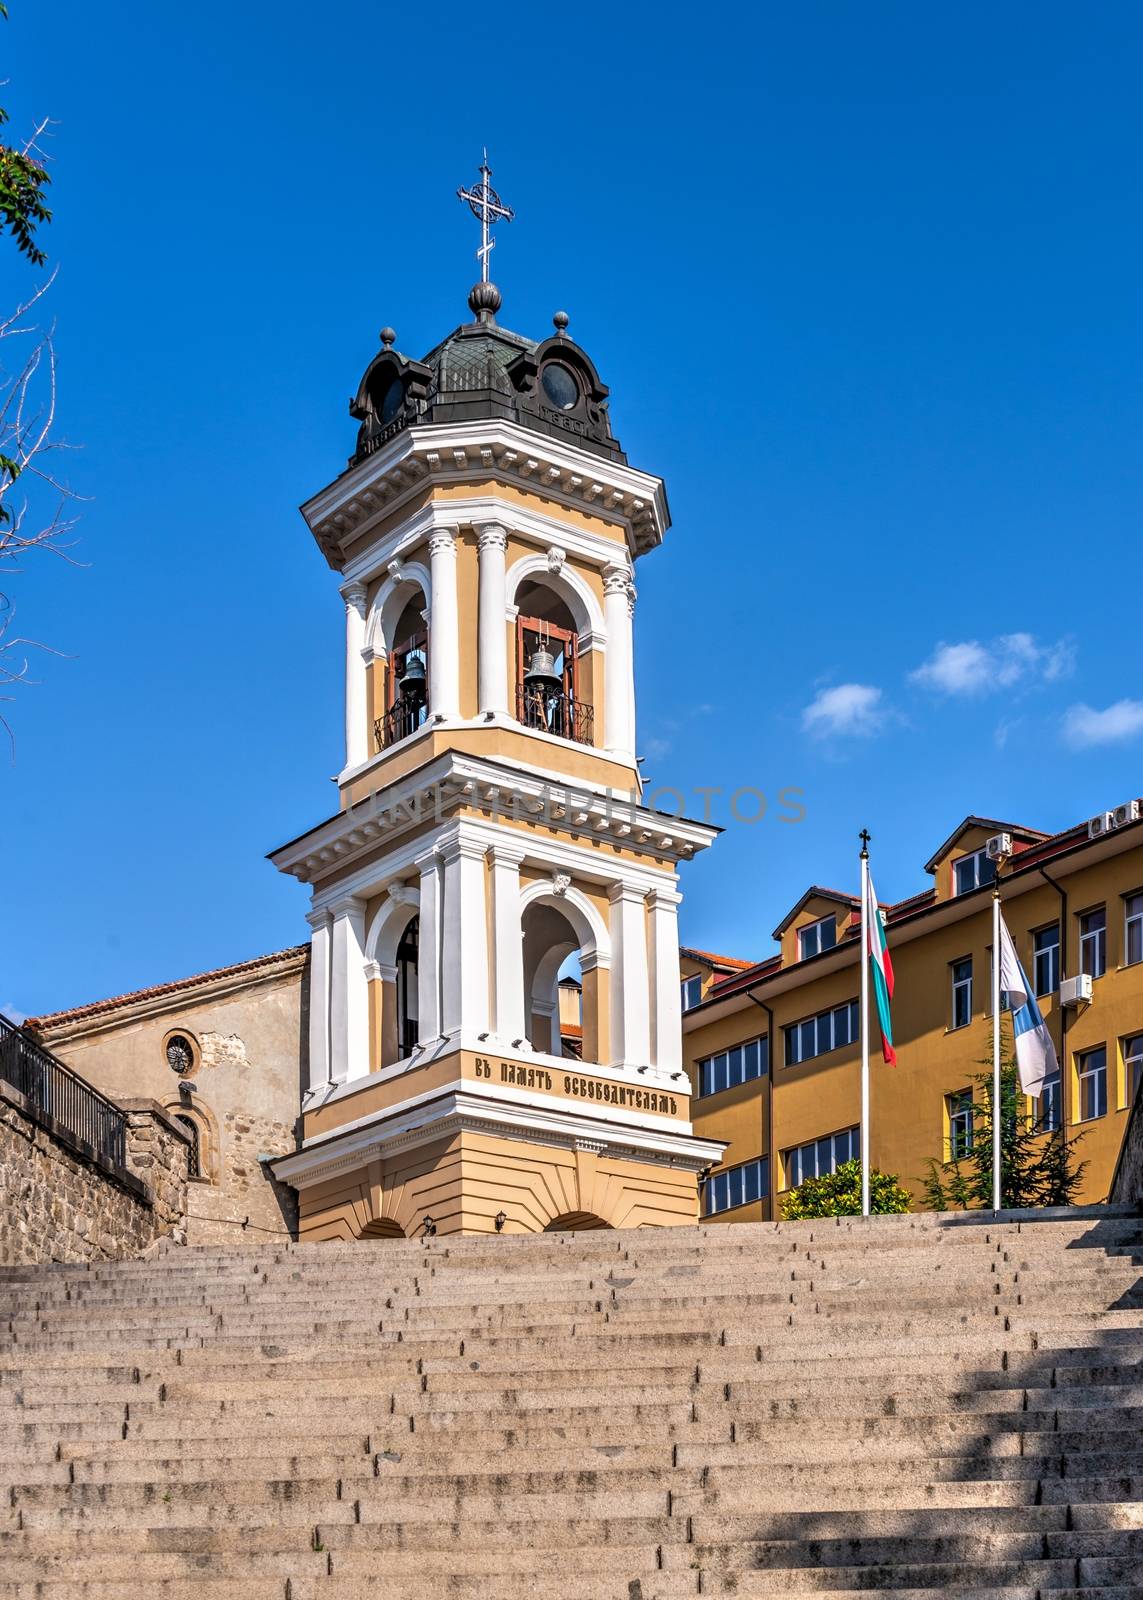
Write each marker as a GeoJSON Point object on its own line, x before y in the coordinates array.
{"type": "Point", "coordinates": [656, 749]}
{"type": "Point", "coordinates": [971, 668]}
{"type": "Point", "coordinates": [851, 710]}
{"type": "Point", "coordinates": [1085, 726]}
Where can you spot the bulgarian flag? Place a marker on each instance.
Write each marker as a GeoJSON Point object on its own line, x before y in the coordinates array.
{"type": "Point", "coordinates": [879, 959]}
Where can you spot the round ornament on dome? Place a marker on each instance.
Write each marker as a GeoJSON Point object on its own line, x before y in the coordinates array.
{"type": "Point", "coordinates": [388, 338]}
{"type": "Point", "coordinates": [560, 322]}
{"type": "Point", "coordinates": [484, 299]}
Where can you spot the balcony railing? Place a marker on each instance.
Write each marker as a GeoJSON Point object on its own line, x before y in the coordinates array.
{"type": "Point", "coordinates": [555, 713]}
{"type": "Point", "coordinates": [58, 1093]}
{"type": "Point", "coordinates": [401, 719]}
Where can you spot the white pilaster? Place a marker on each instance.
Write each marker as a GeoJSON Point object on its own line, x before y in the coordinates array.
{"type": "Point", "coordinates": [618, 693]}
{"type": "Point", "coordinates": [492, 642]}
{"type": "Point", "coordinates": [464, 938]}
{"type": "Point", "coordinates": [632, 740]}
{"type": "Point", "coordinates": [319, 1073]}
{"type": "Point", "coordinates": [356, 741]}
{"type": "Point", "coordinates": [429, 948]}
{"type": "Point", "coordinates": [630, 995]}
{"type": "Point", "coordinates": [348, 992]}
{"type": "Point", "coordinates": [508, 944]}
{"type": "Point", "coordinates": [666, 999]}
{"type": "Point", "coordinates": [444, 640]}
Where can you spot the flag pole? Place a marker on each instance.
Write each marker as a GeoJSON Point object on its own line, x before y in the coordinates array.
{"type": "Point", "coordinates": [996, 1045]}
{"type": "Point", "coordinates": [865, 948]}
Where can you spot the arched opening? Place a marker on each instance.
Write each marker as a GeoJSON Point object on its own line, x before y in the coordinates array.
{"type": "Point", "coordinates": [561, 1016]}
{"type": "Point", "coordinates": [382, 1228]}
{"type": "Point", "coordinates": [407, 1014]}
{"type": "Point", "coordinates": [576, 1222]}
{"type": "Point", "coordinates": [406, 699]}
{"type": "Point", "coordinates": [552, 695]}
{"type": "Point", "coordinates": [190, 1126]}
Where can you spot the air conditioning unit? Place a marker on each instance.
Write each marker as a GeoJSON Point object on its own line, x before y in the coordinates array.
{"type": "Point", "coordinates": [1100, 824]}
{"type": "Point", "coordinates": [1076, 991]}
{"type": "Point", "coordinates": [1125, 814]}
{"type": "Point", "coordinates": [999, 847]}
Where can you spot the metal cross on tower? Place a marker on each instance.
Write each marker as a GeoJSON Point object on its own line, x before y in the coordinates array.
{"type": "Point", "coordinates": [487, 207]}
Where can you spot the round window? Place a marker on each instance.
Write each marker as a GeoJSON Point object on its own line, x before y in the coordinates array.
{"type": "Point", "coordinates": [559, 385]}
{"type": "Point", "coordinates": [180, 1054]}
{"type": "Point", "coordinates": [393, 401]}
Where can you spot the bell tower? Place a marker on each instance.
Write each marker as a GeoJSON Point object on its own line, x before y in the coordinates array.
{"type": "Point", "coordinates": [494, 1021]}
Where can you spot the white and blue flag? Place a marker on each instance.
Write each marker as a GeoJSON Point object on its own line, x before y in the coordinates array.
{"type": "Point", "coordinates": [1035, 1052]}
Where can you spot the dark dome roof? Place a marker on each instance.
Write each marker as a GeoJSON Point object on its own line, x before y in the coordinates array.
{"type": "Point", "coordinates": [484, 371]}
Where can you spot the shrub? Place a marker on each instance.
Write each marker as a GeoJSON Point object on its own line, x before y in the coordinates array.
{"type": "Point", "coordinates": [839, 1194]}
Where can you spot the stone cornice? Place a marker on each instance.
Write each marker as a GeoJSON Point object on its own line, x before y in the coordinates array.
{"type": "Point", "coordinates": [452, 782]}
{"type": "Point", "coordinates": [375, 487]}
{"type": "Point", "coordinates": [460, 1110]}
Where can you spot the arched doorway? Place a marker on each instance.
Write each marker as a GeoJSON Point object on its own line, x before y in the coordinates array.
{"type": "Point", "coordinates": [382, 1228]}
{"type": "Point", "coordinates": [576, 1222]}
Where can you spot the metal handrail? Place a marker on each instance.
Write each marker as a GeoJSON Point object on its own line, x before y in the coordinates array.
{"type": "Point", "coordinates": [401, 719]}
{"type": "Point", "coordinates": [555, 713]}
{"type": "Point", "coordinates": [62, 1095]}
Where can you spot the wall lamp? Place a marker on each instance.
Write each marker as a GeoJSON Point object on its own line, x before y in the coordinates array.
{"type": "Point", "coordinates": [500, 1219]}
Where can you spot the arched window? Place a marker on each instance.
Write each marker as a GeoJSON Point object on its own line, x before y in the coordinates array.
{"type": "Point", "coordinates": [407, 1023]}
{"type": "Point", "coordinates": [548, 690]}
{"type": "Point", "coordinates": [194, 1150]}
{"type": "Point", "coordinates": [407, 681]}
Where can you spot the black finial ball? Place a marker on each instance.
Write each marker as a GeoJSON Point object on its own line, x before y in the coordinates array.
{"type": "Point", "coordinates": [560, 322]}
{"type": "Point", "coordinates": [388, 337]}
{"type": "Point", "coordinates": [484, 299]}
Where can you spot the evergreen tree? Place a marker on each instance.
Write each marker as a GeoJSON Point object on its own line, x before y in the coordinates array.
{"type": "Point", "coordinates": [1036, 1169]}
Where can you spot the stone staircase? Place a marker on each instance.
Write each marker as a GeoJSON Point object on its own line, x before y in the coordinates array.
{"type": "Point", "coordinates": [910, 1404]}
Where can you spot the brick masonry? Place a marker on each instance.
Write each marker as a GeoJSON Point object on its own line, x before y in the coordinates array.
{"type": "Point", "coordinates": [60, 1205]}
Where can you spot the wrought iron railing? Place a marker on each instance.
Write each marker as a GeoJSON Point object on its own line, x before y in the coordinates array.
{"type": "Point", "coordinates": [401, 719]}
{"type": "Point", "coordinates": [61, 1094]}
{"type": "Point", "coordinates": [555, 713]}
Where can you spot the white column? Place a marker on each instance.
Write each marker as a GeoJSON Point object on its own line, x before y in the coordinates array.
{"type": "Point", "coordinates": [464, 939]}
{"type": "Point", "coordinates": [428, 949]}
{"type": "Point", "coordinates": [356, 742]}
{"type": "Point", "coordinates": [632, 741]}
{"type": "Point", "coordinates": [492, 639]}
{"type": "Point", "coordinates": [319, 1073]}
{"type": "Point", "coordinates": [444, 640]}
{"type": "Point", "coordinates": [617, 665]}
{"type": "Point", "coordinates": [666, 999]}
{"type": "Point", "coordinates": [508, 944]}
{"type": "Point", "coordinates": [630, 994]}
{"type": "Point", "coordinates": [348, 992]}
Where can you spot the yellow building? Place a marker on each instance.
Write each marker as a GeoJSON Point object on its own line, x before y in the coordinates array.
{"type": "Point", "coordinates": [773, 1048]}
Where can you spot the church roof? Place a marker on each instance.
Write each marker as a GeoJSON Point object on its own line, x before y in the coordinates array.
{"type": "Point", "coordinates": [95, 1008]}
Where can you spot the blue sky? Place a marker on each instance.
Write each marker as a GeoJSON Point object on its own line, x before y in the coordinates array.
{"type": "Point", "coordinates": [864, 281]}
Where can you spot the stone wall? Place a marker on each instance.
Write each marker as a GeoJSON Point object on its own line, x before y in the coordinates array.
{"type": "Point", "coordinates": [1127, 1184]}
{"type": "Point", "coordinates": [62, 1204]}
{"type": "Point", "coordinates": [247, 1027]}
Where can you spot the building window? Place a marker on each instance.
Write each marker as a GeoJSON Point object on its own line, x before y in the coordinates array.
{"type": "Point", "coordinates": [1093, 942]}
{"type": "Point", "coordinates": [194, 1149]}
{"type": "Point", "coordinates": [737, 1186]}
{"type": "Point", "coordinates": [829, 1030]}
{"type": "Point", "coordinates": [962, 993]}
{"type": "Point", "coordinates": [960, 1123]}
{"type": "Point", "coordinates": [1093, 1083]}
{"type": "Point", "coordinates": [972, 872]}
{"type": "Point", "coordinates": [731, 1067]}
{"type": "Point", "coordinates": [1046, 959]}
{"type": "Point", "coordinates": [816, 937]}
{"type": "Point", "coordinates": [1133, 932]}
{"type": "Point", "coordinates": [1048, 1115]}
{"type": "Point", "coordinates": [821, 1156]}
{"type": "Point", "coordinates": [1132, 1066]}
{"type": "Point", "coordinates": [180, 1052]}
{"type": "Point", "coordinates": [692, 992]}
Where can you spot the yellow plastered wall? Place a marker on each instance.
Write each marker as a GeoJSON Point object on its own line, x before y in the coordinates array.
{"type": "Point", "coordinates": [909, 1121]}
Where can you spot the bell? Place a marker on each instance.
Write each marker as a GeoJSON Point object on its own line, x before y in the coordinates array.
{"type": "Point", "coordinates": [411, 684]}
{"type": "Point", "coordinates": [541, 676]}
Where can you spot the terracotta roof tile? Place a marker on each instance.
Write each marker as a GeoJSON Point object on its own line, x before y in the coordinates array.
{"type": "Point", "coordinates": [733, 962]}
{"type": "Point", "coordinates": [176, 986]}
